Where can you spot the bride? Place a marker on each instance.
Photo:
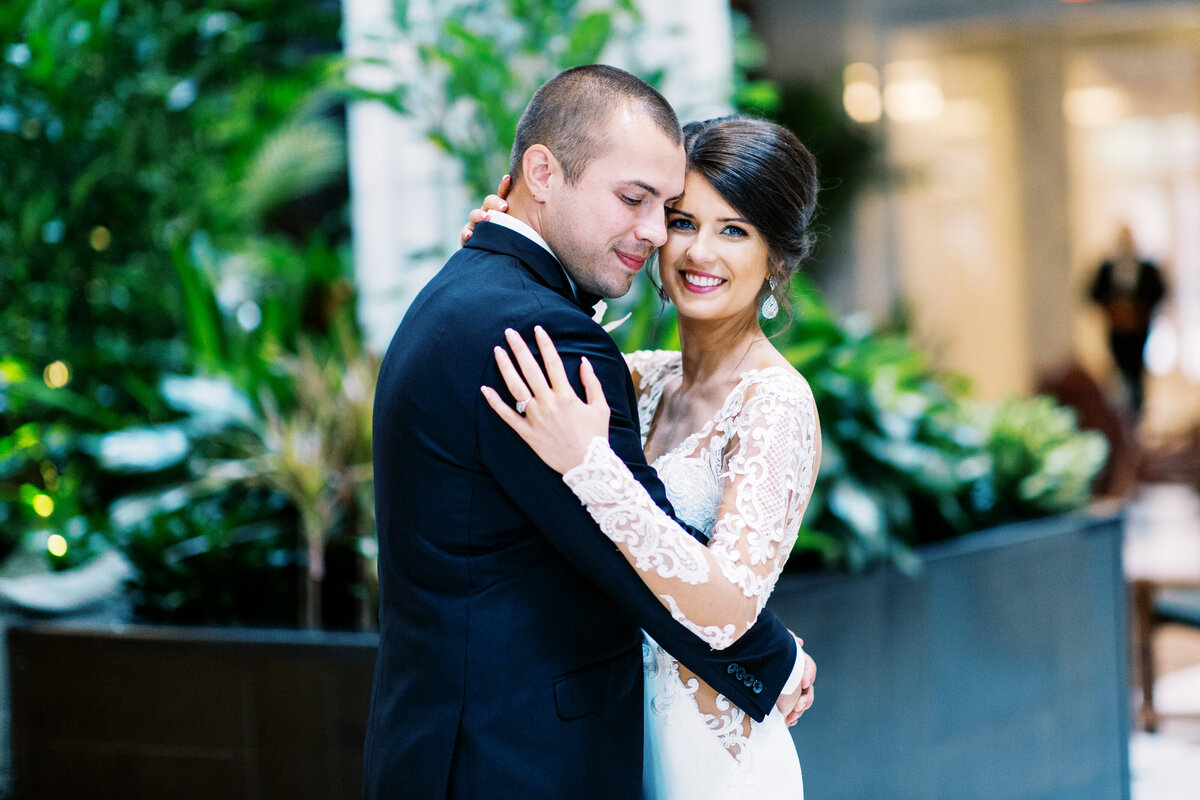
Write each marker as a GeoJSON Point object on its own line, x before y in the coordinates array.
{"type": "Point", "coordinates": [732, 430]}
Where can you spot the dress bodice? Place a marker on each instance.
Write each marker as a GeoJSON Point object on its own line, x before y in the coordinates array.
{"type": "Point", "coordinates": [772, 405]}
{"type": "Point", "coordinates": [743, 479]}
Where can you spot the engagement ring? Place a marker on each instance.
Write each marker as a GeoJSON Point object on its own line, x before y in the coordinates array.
{"type": "Point", "coordinates": [521, 404]}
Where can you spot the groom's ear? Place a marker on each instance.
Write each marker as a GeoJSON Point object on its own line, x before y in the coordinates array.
{"type": "Point", "coordinates": [540, 171]}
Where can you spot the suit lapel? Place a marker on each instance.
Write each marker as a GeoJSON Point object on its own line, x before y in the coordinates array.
{"type": "Point", "coordinates": [497, 239]}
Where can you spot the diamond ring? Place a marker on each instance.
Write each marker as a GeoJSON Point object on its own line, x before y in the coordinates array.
{"type": "Point", "coordinates": [521, 405]}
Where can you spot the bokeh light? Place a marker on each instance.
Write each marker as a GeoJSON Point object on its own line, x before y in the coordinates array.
{"type": "Point", "coordinates": [43, 505]}
{"type": "Point", "coordinates": [56, 375]}
{"type": "Point", "coordinates": [100, 238]}
{"type": "Point", "coordinates": [862, 102]}
{"type": "Point", "coordinates": [861, 97]}
{"type": "Point", "coordinates": [911, 92]}
{"type": "Point", "coordinates": [50, 476]}
{"type": "Point", "coordinates": [57, 545]}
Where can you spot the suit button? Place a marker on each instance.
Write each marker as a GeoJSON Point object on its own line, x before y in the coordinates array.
{"type": "Point", "coordinates": [748, 680]}
{"type": "Point", "coordinates": [740, 673]}
{"type": "Point", "coordinates": [757, 687]}
{"type": "Point", "coordinates": [732, 668]}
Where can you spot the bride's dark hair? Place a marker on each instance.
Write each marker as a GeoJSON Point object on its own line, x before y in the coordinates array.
{"type": "Point", "coordinates": [763, 171]}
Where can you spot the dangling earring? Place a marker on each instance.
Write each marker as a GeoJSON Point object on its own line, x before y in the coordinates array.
{"type": "Point", "coordinates": [662, 293]}
{"type": "Point", "coordinates": [770, 306]}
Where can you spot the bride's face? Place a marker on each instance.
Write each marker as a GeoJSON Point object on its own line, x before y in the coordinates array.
{"type": "Point", "coordinates": [714, 264]}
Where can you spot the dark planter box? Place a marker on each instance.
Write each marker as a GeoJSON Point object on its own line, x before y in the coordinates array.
{"type": "Point", "coordinates": [152, 712]}
{"type": "Point", "coordinates": [1000, 672]}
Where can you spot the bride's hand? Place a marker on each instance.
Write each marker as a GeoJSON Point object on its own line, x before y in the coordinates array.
{"type": "Point", "coordinates": [493, 202]}
{"type": "Point", "coordinates": [556, 423]}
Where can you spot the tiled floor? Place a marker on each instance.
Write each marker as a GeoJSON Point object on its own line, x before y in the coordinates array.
{"type": "Point", "coordinates": [1166, 765]}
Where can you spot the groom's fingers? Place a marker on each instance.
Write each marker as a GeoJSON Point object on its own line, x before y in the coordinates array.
{"type": "Point", "coordinates": [530, 369]}
{"type": "Point", "coordinates": [554, 365]}
{"type": "Point", "coordinates": [516, 386]}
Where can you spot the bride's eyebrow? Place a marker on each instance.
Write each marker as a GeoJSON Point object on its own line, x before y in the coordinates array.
{"type": "Point", "coordinates": [679, 211]}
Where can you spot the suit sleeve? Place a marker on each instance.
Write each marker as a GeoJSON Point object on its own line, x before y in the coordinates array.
{"type": "Point", "coordinates": [764, 655]}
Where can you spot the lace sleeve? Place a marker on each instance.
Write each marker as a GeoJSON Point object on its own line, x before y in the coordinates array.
{"type": "Point", "coordinates": [717, 592]}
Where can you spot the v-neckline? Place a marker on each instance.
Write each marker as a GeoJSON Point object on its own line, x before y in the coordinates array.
{"type": "Point", "coordinates": [693, 438]}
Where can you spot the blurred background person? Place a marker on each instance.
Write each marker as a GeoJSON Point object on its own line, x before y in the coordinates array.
{"type": "Point", "coordinates": [1128, 289]}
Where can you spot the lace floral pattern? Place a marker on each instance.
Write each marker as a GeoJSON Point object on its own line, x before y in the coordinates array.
{"type": "Point", "coordinates": [678, 694]}
{"type": "Point", "coordinates": [744, 479]}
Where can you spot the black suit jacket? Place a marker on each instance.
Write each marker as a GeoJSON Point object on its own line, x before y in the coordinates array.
{"type": "Point", "coordinates": [510, 645]}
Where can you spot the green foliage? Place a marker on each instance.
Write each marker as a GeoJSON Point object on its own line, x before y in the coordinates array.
{"type": "Point", "coordinates": [757, 97]}
{"type": "Point", "coordinates": [125, 128]}
{"type": "Point", "coordinates": [298, 426]}
{"type": "Point", "coordinates": [908, 459]}
{"type": "Point", "coordinates": [225, 558]}
{"type": "Point", "coordinates": [317, 453]}
{"type": "Point", "coordinates": [1040, 462]}
{"type": "Point", "coordinates": [175, 202]}
{"type": "Point", "coordinates": [479, 62]}
{"type": "Point", "coordinates": [33, 464]}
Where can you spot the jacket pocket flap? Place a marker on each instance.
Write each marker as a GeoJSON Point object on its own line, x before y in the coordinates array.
{"type": "Point", "coordinates": [583, 691]}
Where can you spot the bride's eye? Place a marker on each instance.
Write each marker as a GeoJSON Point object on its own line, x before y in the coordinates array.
{"type": "Point", "coordinates": [734, 230]}
{"type": "Point", "coordinates": [680, 224]}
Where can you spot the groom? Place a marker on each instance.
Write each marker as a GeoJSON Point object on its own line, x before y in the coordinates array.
{"type": "Point", "coordinates": [510, 628]}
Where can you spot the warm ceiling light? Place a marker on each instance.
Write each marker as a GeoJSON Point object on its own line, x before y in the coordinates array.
{"type": "Point", "coordinates": [860, 72]}
{"type": "Point", "coordinates": [862, 102]}
{"type": "Point", "coordinates": [911, 92]}
{"type": "Point", "coordinates": [1094, 106]}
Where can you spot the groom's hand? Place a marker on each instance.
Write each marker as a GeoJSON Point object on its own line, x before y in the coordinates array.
{"type": "Point", "coordinates": [795, 703]}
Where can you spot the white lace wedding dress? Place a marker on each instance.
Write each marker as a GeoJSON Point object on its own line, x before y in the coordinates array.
{"type": "Point", "coordinates": [744, 479]}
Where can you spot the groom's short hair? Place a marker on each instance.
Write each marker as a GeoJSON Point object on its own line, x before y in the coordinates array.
{"type": "Point", "coordinates": [569, 114]}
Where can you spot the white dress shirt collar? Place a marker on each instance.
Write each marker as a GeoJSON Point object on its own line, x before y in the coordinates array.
{"type": "Point", "coordinates": [519, 226]}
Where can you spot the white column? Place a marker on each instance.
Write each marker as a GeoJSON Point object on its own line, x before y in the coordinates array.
{"type": "Point", "coordinates": [694, 50]}
{"type": "Point", "coordinates": [407, 198]}
{"type": "Point", "coordinates": [1038, 74]}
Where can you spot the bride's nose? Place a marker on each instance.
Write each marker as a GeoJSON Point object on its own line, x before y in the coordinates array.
{"type": "Point", "coordinates": [700, 252]}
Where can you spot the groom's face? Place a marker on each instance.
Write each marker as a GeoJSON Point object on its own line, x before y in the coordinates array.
{"type": "Point", "coordinates": [606, 225]}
